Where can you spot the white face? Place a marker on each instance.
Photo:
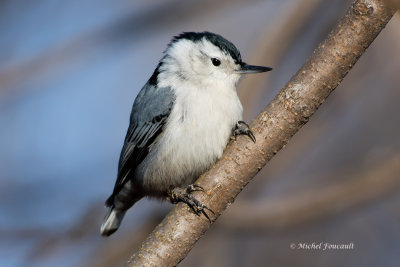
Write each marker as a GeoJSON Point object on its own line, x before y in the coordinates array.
{"type": "Point", "coordinates": [200, 63]}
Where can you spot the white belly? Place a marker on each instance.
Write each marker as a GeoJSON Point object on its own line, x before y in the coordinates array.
{"type": "Point", "coordinates": [194, 138]}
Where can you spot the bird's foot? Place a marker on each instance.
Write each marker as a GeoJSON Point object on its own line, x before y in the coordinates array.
{"type": "Point", "coordinates": [184, 195]}
{"type": "Point", "coordinates": [243, 128]}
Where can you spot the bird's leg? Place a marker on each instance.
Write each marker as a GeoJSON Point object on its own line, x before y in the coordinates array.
{"type": "Point", "coordinates": [178, 194]}
{"type": "Point", "coordinates": [243, 128]}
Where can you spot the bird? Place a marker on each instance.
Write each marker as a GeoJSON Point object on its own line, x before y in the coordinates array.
{"type": "Point", "coordinates": [181, 121]}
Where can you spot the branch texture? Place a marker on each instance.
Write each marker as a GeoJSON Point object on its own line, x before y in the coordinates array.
{"type": "Point", "coordinates": [174, 237]}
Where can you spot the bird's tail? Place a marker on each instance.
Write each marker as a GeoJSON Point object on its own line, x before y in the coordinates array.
{"type": "Point", "coordinates": [112, 221]}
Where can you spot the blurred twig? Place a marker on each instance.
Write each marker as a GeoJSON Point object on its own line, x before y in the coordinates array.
{"type": "Point", "coordinates": [393, 3]}
{"type": "Point", "coordinates": [372, 183]}
{"type": "Point", "coordinates": [273, 44]}
{"type": "Point", "coordinates": [131, 27]}
{"type": "Point", "coordinates": [174, 237]}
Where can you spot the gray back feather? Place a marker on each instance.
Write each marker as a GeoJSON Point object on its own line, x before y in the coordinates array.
{"type": "Point", "coordinates": [150, 112]}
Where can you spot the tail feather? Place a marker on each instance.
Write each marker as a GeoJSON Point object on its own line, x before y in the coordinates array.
{"type": "Point", "coordinates": [111, 222]}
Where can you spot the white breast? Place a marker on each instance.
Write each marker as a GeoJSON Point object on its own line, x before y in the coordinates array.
{"type": "Point", "coordinates": [196, 134]}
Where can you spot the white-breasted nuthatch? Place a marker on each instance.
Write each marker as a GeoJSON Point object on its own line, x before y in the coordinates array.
{"type": "Point", "coordinates": [181, 121]}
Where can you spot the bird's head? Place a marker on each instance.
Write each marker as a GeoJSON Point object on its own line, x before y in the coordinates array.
{"type": "Point", "coordinates": [203, 58]}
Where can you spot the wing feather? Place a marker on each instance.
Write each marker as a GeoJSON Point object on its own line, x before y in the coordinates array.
{"type": "Point", "coordinates": [150, 112]}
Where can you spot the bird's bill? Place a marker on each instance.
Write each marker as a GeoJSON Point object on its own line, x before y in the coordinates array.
{"type": "Point", "coordinates": [245, 69]}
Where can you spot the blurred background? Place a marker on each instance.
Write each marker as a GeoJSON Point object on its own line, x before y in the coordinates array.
{"type": "Point", "coordinates": [69, 72]}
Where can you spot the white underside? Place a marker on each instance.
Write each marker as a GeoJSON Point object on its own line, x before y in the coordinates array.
{"type": "Point", "coordinates": [194, 138]}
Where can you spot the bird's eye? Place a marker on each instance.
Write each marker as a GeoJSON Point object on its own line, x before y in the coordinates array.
{"type": "Point", "coordinates": [215, 61]}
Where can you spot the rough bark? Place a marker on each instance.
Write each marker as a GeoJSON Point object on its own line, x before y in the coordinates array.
{"type": "Point", "coordinates": [272, 45]}
{"type": "Point", "coordinates": [174, 237]}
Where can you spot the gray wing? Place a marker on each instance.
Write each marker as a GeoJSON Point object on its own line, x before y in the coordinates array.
{"type": "Point", "coordinates": [150, 112]}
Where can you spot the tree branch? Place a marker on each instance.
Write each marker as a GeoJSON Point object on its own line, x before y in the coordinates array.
{"type": "Point", "coordinates": [174, 237]}
{"type": "Point", "coordinates": [277, 37]}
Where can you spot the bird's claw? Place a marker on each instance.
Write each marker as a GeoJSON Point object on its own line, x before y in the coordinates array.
{"type": "Point", "coordinates": [243, 128]}
{"type": "Point", "coordinates": [184, 195]}
{"type": "Point", "coordinates": [194, 187]}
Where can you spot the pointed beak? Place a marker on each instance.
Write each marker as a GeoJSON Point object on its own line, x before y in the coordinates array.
{"type": "Point", "coordinates": [245, 68]}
